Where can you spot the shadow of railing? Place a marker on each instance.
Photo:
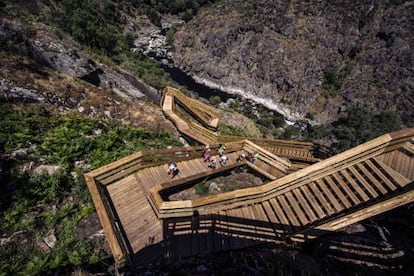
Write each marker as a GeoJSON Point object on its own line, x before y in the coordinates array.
{"type": "Point", "coordinates": [204, 234]}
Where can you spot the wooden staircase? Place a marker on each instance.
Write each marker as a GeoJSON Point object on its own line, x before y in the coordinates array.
{"type": "Point", "coordinates": [305, 198]}
{"type": "Point", "coordinates": [202, 121]}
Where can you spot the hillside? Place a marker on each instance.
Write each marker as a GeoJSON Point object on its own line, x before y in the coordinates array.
{"type": "Point", "coordinates": [305, 57]}
{"type": "Point", "coordinates": [77, 92]}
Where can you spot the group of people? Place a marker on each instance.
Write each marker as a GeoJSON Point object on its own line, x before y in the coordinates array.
{"type": "Point", "coordinates": [249, 157]}
{"type": "Point", "coordinates": [212, 161]}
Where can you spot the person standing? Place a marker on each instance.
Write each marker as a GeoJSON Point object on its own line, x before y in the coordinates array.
{"type": "Point", "coordinates": [172, 169]}
{"type": "Point", "coordinates": [223, 160]}
{"type": "Point", "coordinates": [221, 149]}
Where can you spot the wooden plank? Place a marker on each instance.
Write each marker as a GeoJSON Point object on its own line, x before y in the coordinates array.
{"type": "Point", "coordinates": [384, 178]}
{"type": "Point", "coordinates": [320, 196]}
{"type": "Point", "coordinates": [399, 160]}
{"type": "Point", "coordinates": [397, 177]}
{"type": "Point", "coordinates": [104, 219]}
{"type": "Point", "coordinates": [372, 179]}
{"type": "Point", "coordinates": [290, 212]}
{"type": "Point", "coordinates": [275, 221]}
{"type": "Point", "coordinates": [231, 228]}
{"type": "Point", "coordinates": [368, 212]}
{"type": "Point", "coordinates": [331, 198]}
{"type": "Point", "coordinates": [209, 232]}
{"type": "Point", "coordinates": [408, 166]}
{"type": "Point", "coordinates": [218, 232]}
{"type": "Point", "coordinates": [278, 208]}
{"type": "Point", "coordinates": [410, 173]}
{"type": "Point", "coordinates": [344, 200]}
{"type": "Point", "coordinates": [363, 182]}
{"type": "Point", "coordinates": [344, 185]}
{"type": "Point", "coordinates": [252, 232]}
{"type": "Point", "coordinates": [315, 206]}
{"type": "Point", "coordinates": [304, 204]}
{"type": "Point", "coordinates": [248, 226]}
{"type": "Point", "coordinates": [266, 227]}
{"type": "Point", "coordinates": [355, 185]}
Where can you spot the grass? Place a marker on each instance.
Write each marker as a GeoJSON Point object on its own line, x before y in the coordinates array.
{"type": "Point", "coordinates": [35, 205]}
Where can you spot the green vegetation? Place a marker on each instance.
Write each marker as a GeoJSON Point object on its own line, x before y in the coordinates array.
{"type": "Point", "coordinates": [358, 126]}
{"type": "Point", "coordinates": [286, 100]}
{"type": "Point", "coordinates": [201, 188]}
{"type": "Point", "coordinates": [214, 100]}
{"type": "Point", "coordinates": [291, 132]}
{"type": "Point", "coordinates": [169, 36]}
{"type": "Point", "coordinates": [147, 70]}
{"type": "Point", "coordinates": [99, 27]}
{"type": "Point", "coordinates": [33, 206]}
{"type": "Point", "coordinates": [92, 24]}
{"type": "Point", "coordinates": [331, 82]}
{"type": "Point", "coordinates": [268, 121]}
{"type": "Point", "coordinates": [232, 130]}
{"type": "Point", "coordinates": [186, 9]}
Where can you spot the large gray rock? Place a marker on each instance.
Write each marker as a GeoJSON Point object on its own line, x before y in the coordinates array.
{"type": "Point", "coordinates": [150, 39]}
{"type": "Point", "coordinates": [49, 169]}
{"type": "Point", "coordinates": [13, 92]}
{"type": "Point", "coordinates": [47, 48]}
{"type": "Point", "coordinates": [64, 55]}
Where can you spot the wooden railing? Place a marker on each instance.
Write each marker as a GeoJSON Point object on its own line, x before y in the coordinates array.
{"type": "Point", "coordinates": [198, 123]}
{"type": "Point", "coordinates": [204, 113]}
{"type": "Point", "coordinates": [246, 196]}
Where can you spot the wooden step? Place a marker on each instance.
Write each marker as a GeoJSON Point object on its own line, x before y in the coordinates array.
{"type": "Point", "coordinates": [361, 180]}
{"type": "Point", "coordinates": [313, 202]}
{"type": "Point", "coordinates": [372, 180]}
{"type": "Point", "coordinates": [320, 195]}
{"type": "Point", "coordinates": [330, 197]}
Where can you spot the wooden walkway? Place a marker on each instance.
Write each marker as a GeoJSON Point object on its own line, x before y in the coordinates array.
{"type": "Point", "coordinates": [299, 211]}
{"type": "Point", "coordinates": [297, 204]}
{"type": "Point", "coordinates": [205, 129]}
{"type": "Point", "coordinates": [129, 197]}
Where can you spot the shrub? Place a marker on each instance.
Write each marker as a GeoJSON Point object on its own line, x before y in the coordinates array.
{"type": "Point", "coordinates": [170, 36]}
{"type": "Point", "coordinates": [201, 189]}
{"type": "Point", "coordinates": [94, 25]}
{"type": "Point", "coordinates": [214, 100]}
{"type": "Point", "coordinates": [232, 130]}
{"type": "Point", "coordinates": [291, 132]}
{"type": "Point", "coordinates": [357, 126]}
{"type": "Point", "coordinates": [235, 104]}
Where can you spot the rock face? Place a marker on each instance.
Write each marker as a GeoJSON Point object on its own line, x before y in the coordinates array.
{"type": "Point", "coordinates": [305, 56]}
{"type": "Point", "coordinates": [151, 40]}
{"type": "Point", "coordinates": [64, 56]}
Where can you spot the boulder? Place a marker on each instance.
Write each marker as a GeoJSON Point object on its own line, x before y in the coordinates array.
{"type": "Point", "coordinates": [20, 153]}
{"type": "Point", "coordinates": [49, 169]}
{"type": "Point", "coordinates": [50, 240]}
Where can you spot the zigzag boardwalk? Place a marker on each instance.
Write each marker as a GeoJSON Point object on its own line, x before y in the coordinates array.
{"type": "Point", "coordinates": [201, 124]}
{"type": "Point", "coordinates": [141, 225]}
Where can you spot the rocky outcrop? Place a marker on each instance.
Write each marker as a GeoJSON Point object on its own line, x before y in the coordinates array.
{"type": "Point", "coordinates": [64, 56]}
{"type": "Point", "coordinates": [297, 57]}
{"type": "Point", "coordinates": [151, 40]}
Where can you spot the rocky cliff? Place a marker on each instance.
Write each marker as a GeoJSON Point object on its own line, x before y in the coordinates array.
{"type": "Point", "coordinates": [305, 57]}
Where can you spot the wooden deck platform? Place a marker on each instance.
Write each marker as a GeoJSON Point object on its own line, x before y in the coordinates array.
{"type": "Point", "coordinates": [299, 203]}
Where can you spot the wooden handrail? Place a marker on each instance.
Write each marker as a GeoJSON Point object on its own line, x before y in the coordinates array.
{"type": "Point", "coordinates": [209, 118]}
{"type": "Point", "coordinates": [250, 195]}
